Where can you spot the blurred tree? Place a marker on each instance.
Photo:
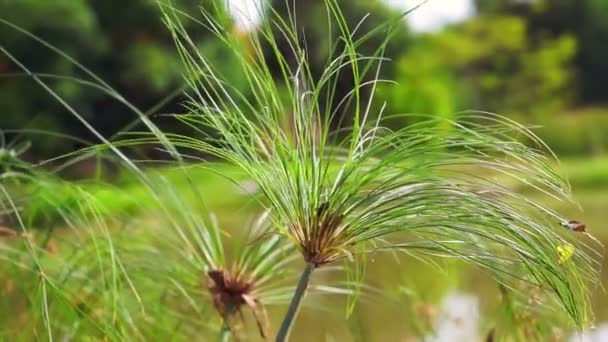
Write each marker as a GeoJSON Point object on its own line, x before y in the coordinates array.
{"type": "Point", "coordinates": [485, 63]}
{"type": "Point", "coordinates": [68, 24]}
{"type": "Point", "coordinates": [585, 20]}
{"type": "Point", "coordinates": [124, 42]}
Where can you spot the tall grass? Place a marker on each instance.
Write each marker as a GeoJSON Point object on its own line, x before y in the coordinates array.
{"type": "Point", "coordinates": [426, 190]}
{"type": "Point", "coordinates": [82, 288]}
{"type": "Point", "coordinates": [116, 276]}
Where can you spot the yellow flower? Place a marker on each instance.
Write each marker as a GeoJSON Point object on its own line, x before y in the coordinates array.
{"type": "Point", "coordinates": [565, 252]}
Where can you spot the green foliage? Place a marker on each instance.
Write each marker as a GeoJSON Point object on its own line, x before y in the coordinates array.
{"type": "Point", "coordinates": [589, 173]}
{"type": "Point", "coordinates": [585, 20]}
{"type": "Point", "coordinates": [125, 42]}
{"type": "Point", "coordinates": [320, 34]}
{"type": "Point", "coordinates": [152, 65]}
{"type": "Point", "coordinates": [97, 273]}
{"type": "Point", "coordinates": [577, 132]}
{"type": "Point", "coordinates": [487, 62]}
{"type": "Point", "coordinates": [519, 59]}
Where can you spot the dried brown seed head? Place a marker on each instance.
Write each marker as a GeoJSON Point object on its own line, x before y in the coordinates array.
{"type": "Point", "coordinates": [6, 232]}
{"type": "Point", "coordinates": [230, 293]}
{"type": "Point", "coordinates": [575, 226]}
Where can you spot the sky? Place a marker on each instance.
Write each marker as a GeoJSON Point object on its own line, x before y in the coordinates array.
{"type": "Point", "coordinates": [246, 13]}
{"type": "Point", "coordinates": [432, 15]}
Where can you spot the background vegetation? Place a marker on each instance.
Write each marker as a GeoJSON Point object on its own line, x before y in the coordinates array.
{"type": "Point", "coordinates": [542, 62]}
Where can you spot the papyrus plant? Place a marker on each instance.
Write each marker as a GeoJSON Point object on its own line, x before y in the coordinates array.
{"type": "Point", "coordinates": [86, 289]}
{"type": "Point", "coordinates": [436, 188]}
{"type": "Point", "coordinates": [232, 274]}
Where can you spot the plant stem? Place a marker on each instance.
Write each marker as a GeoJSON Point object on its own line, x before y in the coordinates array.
{"type": "Point", "coordinates": [225, 333]}
{"type": "Point", "coordinates": [295, 304]}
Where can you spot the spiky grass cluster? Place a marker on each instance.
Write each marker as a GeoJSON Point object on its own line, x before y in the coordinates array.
{"type": "Point", "coordinates": [338, 194]}
{"type": "Point", "coordinates": [112, 277]}
{"type": "Point", "coordinates": [256, 275]}
{"type": "Point", "coordinates": [111, 280]}
{"type": "Point", "coordinates": [242, 285]}
{"type": "Point", "coordinates": [52, 287]}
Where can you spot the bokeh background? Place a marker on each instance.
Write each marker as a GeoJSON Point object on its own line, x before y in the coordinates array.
{"type": "Point", "coordinates": [540, 62]}
{"type": "Point", "coordinates": [543, 63]}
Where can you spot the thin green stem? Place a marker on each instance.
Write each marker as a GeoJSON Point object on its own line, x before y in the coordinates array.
{"type": "Point", "coordinates": [295, 304]}
{"type": "Point", "coordinates": [225, 333]}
